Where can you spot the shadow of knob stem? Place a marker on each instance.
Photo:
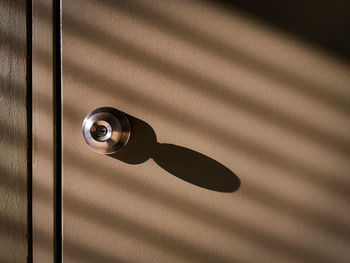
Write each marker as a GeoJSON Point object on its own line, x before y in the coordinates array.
{"type": "Point", "coordinates": [184, 163]}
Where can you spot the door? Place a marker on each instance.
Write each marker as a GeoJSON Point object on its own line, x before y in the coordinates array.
{"type": "Point", "coordinates": [239, 141]}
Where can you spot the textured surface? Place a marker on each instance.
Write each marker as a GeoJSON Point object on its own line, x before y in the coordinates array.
{"type": "Point", "coordinates": [43, 133]}
{"type": "Point", "coordinates": [207, 86]}
{"type": "Point", "coordinates": [13, 130]}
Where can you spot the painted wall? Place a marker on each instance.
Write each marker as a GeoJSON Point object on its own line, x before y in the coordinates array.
{"type": "Point", "coordinates": [208, 87]}
{"type": "Point", "coordinates": [13, 130]}
{"type": "Point", "coordinates": [294, 195]}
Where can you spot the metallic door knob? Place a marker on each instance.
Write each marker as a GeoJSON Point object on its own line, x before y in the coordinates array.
{"type": "Point", "coordinates": [105, 130]}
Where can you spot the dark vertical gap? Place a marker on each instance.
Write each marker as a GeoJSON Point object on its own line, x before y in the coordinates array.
{"type": "Point", "coordinates": [57, 127]}
{"type": "Point", "coordinates": [29, 109]}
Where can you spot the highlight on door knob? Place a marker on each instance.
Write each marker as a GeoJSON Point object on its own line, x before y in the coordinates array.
{"type": "Point", "coordinates": [105, 130]}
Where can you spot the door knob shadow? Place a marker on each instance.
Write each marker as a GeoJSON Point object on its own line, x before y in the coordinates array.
{"type": "Point", "coordinates": [186, 164]}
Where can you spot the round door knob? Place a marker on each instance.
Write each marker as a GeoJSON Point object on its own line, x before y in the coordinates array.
{"type": "Point", "coordinates": [105, 130]}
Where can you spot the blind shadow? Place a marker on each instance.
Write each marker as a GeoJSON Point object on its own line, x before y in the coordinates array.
{"type": "Point", "coordinates": [224, 93]}
{"type": "Point", "coordinates": [105, 84]}
{"type": "Point", "coordinates": [184, 163]}
{"type": "Point", "coordinates": [147, 15]}
{"type": "Point", "coordinates": [322, 23]}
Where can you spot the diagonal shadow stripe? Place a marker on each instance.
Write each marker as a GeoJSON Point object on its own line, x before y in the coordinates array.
{"type": "Point", "coordinates": [191, 80]}
{"type": "Point", "coordinates": [228, 224]}
{"type": "Point", "coordinates": [105, 85]}
{"type": "Point", "coordinates": [130, 51]}
{"type": "Point", "coordinates": [283, 162]}
{"type": "Point", "coordinates": [75, 251]}
{"type": "Point", "coordinates": [147, 15]}
{"type": "Point", "coordinates": [323, 23]}
{"type": "Point", "coordinates": [252, 192]}
{"type": "Point", "coordinates": [255, 194]}
{"type": "Point", "coordinates": [225, 138]}
{"type": "Point", "coordinates": [130, 226]}
{"type": "Point", "coordinates": [231, 225]}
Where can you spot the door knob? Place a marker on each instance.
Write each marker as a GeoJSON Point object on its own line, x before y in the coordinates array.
{"type": "Point", "coordinates": [105, 130]}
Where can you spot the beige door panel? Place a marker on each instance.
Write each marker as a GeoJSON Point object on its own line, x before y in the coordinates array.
{"type": "Point", "coordinates": [239, 141]}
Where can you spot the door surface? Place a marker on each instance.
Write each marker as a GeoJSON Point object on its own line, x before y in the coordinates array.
{"type": "Point", "coordinates": [240, 138]}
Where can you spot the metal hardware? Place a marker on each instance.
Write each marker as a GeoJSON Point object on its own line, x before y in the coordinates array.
{"type": "Point", "coordinates": [105, 130]}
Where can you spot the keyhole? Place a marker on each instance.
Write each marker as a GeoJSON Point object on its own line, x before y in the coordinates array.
{"type": "Point", "coordinates": [101, 131]}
